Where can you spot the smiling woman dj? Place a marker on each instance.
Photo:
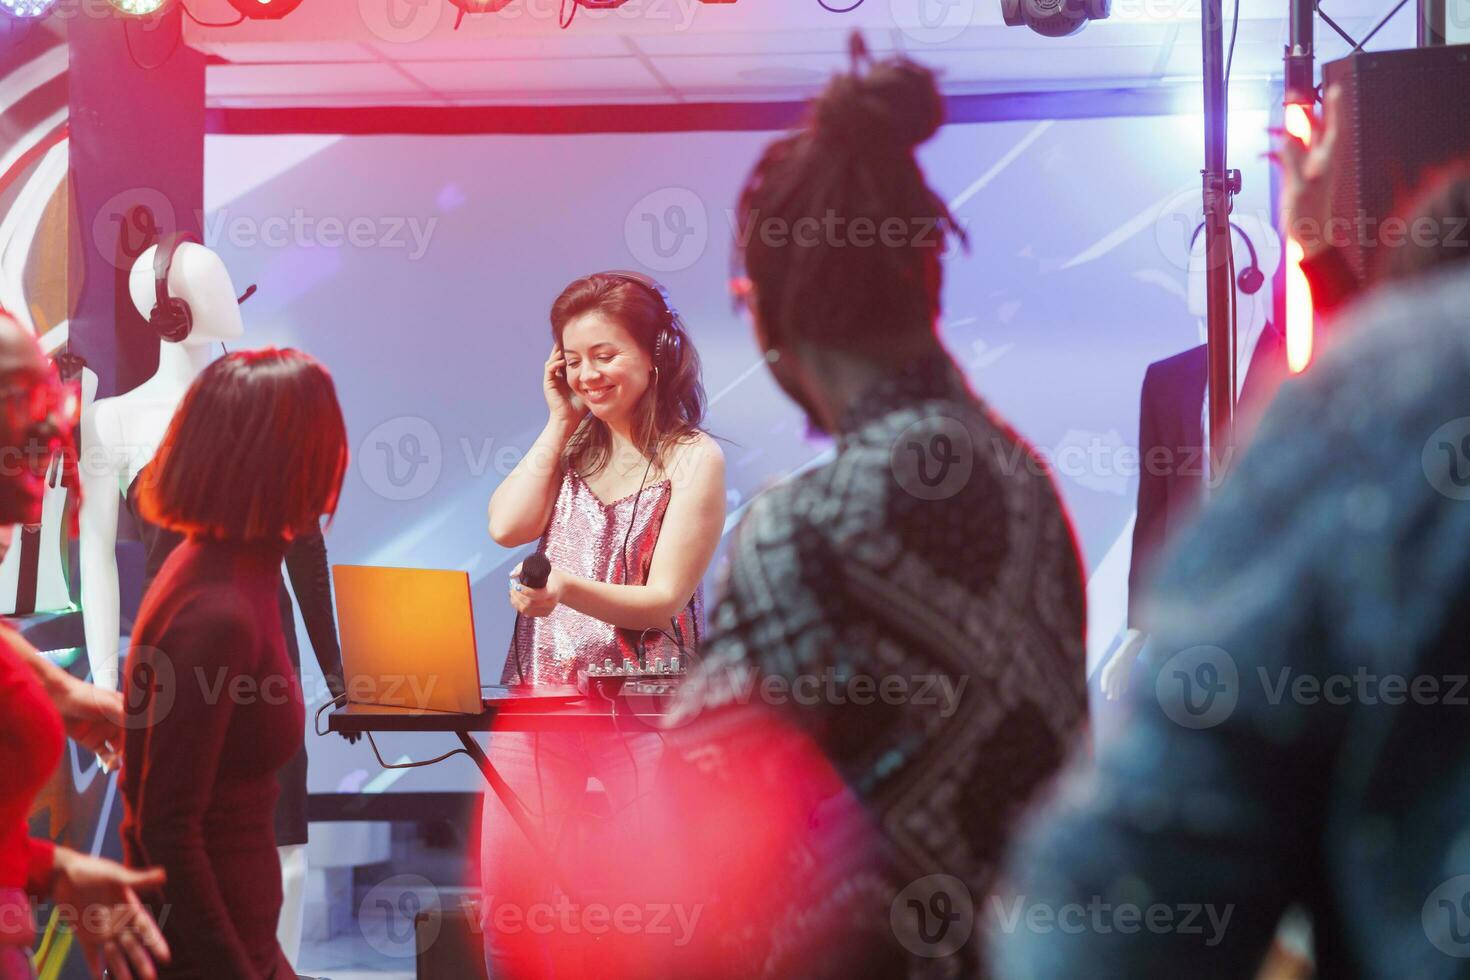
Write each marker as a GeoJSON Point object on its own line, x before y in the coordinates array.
{"type": "Point", "coordinates": [606, 477]}
{"type": "Point", "coordinates": [626, 494]}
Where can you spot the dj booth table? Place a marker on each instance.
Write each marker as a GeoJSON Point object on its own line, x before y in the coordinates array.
{"type": "Point", "coordinates": [541, 713]}
{"type": "Point", "coordinates": [552, 713]}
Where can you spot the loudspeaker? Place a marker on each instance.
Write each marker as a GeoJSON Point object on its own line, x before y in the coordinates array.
{"type": "Point", "coordinates": [449, 944]}
{"type": "Point", "coordinates": [1404, 113]}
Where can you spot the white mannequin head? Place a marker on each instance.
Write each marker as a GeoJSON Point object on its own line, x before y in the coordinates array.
{"type": "Point", "coordinates": [1254, 309]}
{"type": "Point", "coordinates": [198, 277]}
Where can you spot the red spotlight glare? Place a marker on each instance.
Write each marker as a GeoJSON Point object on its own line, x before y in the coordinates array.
{"type": "Point", "coordinates": [727, 834]}
{"type": "Point", "coordinates": [1299, 313]}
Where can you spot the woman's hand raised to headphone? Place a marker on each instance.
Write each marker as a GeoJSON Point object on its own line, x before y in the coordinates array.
{"type": "Point", "coordinates": [559, 393]}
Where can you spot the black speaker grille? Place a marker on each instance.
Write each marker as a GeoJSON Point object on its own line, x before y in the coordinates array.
{"type": "Point", "coordinates": [1405, 112]}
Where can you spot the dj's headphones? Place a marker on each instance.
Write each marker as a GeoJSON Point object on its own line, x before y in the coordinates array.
{"type": "Point", "coordinates": [1251, 278]}
{"type": "Point", "coordinates": [171, 316]}
{"type": "Point", "coordinates": [670, 340]}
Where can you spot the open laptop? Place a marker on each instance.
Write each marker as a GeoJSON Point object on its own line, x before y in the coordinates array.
{"type": "Point", "coordinates": [408, 641]}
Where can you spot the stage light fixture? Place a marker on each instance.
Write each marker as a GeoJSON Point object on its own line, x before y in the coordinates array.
{"type": "Point", "coordinates": [138, 8]}
{"type": "Point", "coordinates": [27, 9]}
{"type": "Point", "coordinates": [481, 6]}
{"type": "Point", "coordinates": [264, 9]}
{"type": "Point", "coordinates": [1300, 55]}
{"type": "Point", "coordinates": [1054, 18]}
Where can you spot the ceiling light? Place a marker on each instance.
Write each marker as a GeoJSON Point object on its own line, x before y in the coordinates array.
{"type": "Point", "coordinates": [139, 8]}
{"type": "Point", "coordinates": [265, 9]}
{"type": "Point", "coordinates": [27, 8]}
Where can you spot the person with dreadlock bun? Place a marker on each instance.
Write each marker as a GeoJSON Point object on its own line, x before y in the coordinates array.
{"type": "Point", "coordinates": [924, 584]}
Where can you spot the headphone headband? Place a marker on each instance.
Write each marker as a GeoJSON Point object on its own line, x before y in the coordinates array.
{"type": "Point", "coordinates": [163, 261]}
{"type": "Point", "coordinates": [650, 284]}
{"type": "Point", "coordinates": [1251, 278]}
{"type": "Point", "coordinates": [670, 335]}
{"type": "Point", "coordinates": [171, 316]}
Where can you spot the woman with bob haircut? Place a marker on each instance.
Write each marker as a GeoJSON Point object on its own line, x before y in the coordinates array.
{"type": "Point", "coordinates": [253, 458]}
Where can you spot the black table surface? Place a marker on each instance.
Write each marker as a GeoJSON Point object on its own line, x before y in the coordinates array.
{"type": "Point", "coordinates": [550, 712]}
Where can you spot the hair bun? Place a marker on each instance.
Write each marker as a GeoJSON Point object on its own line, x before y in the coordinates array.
{"type": "Point", "coordinates": [895, 101]}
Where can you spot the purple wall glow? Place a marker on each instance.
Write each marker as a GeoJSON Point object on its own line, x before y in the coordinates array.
{"type": "Point", "coordinates": [421, 269]}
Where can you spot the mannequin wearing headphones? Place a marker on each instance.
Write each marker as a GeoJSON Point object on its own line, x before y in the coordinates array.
{"type": "Point", "coordinates": [1250, 279]}
{"type": "Point", "coordinates": [185, 294]}
{"type": "Point", "coordinates": [1256, 248]}
{"type": "Point", "coordinates": [1172, 414]}
{"type": "Point", "coordinates": [171, 315]}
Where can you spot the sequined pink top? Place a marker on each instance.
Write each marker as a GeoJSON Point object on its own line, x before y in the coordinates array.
{"type": "Point", "coordinates": [585, 537]}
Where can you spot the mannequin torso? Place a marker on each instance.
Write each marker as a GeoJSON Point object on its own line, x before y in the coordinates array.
{"type": "Point", "coordinates": [121, 434]}
{"type": "Point", "coordinates": [1253, 313]}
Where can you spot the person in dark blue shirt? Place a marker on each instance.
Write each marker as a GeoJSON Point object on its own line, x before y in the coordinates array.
{"type": "Point", "coordinates": [1303, 739]}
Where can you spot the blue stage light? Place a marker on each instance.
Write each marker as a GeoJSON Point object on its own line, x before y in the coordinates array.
{"type": "Point", "coordinates": [27, 9]}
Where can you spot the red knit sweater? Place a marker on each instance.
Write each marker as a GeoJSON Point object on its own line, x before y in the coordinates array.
{"type": "Point", "coordinates": [31, 740]}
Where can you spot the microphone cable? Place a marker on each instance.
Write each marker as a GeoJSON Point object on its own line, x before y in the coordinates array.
{"type": "Point", "coordinates": [623, 554]}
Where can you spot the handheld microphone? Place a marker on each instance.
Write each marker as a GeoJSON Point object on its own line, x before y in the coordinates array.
{"type": "Point", "coordinates": [535, 570]}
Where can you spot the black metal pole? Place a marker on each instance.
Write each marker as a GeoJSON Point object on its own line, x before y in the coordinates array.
{"type": "Point", "coordinates": [1218, 185]}
{"type": "Point", "coordinates": [518, 813]}
{"type": "Point", "coordinates": [1432, 27]}
{"type": "Point", "coordinates": [1301, 85]}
